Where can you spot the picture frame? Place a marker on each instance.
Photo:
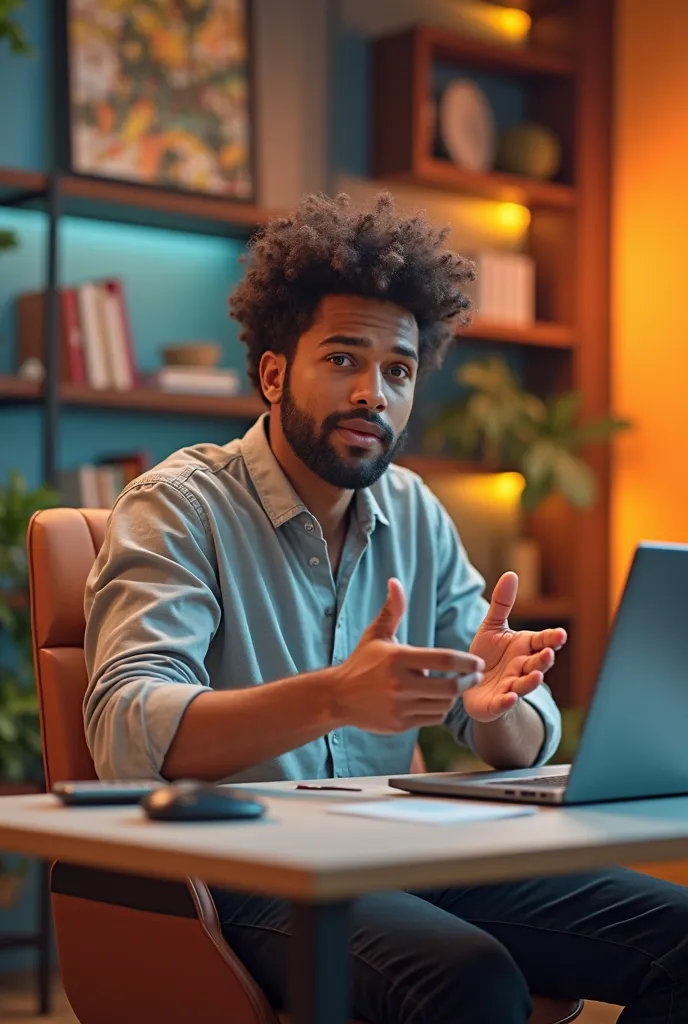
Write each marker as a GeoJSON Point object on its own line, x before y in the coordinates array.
{"type": "Point", "coordinates": [158, 93]}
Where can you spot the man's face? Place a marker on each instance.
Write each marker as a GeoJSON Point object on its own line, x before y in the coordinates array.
{"type": "Point", "coordinates": [348, 391]}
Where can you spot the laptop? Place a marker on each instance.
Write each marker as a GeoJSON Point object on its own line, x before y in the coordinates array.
{"type": "Point", "coordinates": [633, 742]}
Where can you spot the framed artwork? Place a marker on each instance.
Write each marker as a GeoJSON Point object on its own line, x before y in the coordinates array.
{"type": "Point", "coordinates": [158, 93]}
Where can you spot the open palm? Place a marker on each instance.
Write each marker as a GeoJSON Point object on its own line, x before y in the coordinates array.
{"type": "Point", "coordinates": [515, 662]}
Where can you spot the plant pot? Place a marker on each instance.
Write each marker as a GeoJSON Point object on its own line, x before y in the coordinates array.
{"type": "Point", "coordinates": [525, 559]}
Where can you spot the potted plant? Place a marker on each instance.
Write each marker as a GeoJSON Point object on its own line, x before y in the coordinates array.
{"type": "Point", "coordinates": [20, 739]}
{"type": "Point", "coordinates": [506, 427]}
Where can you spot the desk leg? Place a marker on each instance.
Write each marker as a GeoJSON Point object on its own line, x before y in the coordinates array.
{"type": "Point", "coordinates": [320, 968]}
{"type": "Point", "coordinates": [44, 971]}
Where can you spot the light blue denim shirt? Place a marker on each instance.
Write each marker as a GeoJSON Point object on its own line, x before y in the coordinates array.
{"type": "Point", "coordinates": [214, 574]}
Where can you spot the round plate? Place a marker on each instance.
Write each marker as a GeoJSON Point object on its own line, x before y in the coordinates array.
{"type": "Point", "coordinates": [467, 125]}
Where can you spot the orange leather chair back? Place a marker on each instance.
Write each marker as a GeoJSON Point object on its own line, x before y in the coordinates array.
{"type": "Point", "coordinates": [62, 545]}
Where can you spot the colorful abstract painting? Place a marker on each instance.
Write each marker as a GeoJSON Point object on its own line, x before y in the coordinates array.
{"type": "Point", "coordinates": [159, 93]}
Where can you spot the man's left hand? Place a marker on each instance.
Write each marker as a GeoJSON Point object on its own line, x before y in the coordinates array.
{"type": "Point", "coordinates": [515, 663]}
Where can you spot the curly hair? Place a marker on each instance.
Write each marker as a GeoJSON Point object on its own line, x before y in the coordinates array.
{"type": "Point", "coordinates": [327, 247]}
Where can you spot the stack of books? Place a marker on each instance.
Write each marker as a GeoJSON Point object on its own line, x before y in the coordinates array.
{"type": "Point", "coordinates": [504, 292]}
{"type": "Point", "coordinates": [98, 485]}
{"type": "Point", "coordinates": [195, 380]}
{"type": "Point", "coordinates": [95, 341]}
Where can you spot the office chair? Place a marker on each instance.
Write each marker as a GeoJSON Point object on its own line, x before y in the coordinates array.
{"type": "Point", "coordinates": [144, 950]}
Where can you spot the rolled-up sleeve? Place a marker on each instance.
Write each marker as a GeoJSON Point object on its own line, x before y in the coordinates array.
{"type": "Point", "coordinates": [461, 609]}
{"type": "Point", "coordinates": [152, 608]}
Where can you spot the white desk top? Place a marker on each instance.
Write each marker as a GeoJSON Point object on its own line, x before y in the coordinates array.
{"type": "Point", "coordinates": [300, 851]}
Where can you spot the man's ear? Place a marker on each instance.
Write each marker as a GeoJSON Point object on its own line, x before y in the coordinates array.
{"type": "Point", "coordinates": [272, 370]}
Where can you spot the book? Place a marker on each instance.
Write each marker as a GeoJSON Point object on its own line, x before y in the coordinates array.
{"type": "Point", "coordinates": [196, 380]}
{"type": "Point", "coordinates": [504, 291]}
{"type": "Point", "coordinates": [31, 333]}
{"type": "Point", "coordinates": [94, 337]}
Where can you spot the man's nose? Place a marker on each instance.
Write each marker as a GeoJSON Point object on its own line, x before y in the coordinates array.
{"type": "Point", "coordinates": [369, 392]}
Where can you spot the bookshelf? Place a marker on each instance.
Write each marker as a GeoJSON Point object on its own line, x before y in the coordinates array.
{"type": "Point", "coordinates": [432, 172]}
{"type": "Point", "coordinates": [541, 334]}
{"type": "Point", "coordinates": [563, 77]}
{"type": "Point", "coordinates": [130, 204]}
{"type": "Point", "coordinates": [58, 195]}
{"type": "Point", "coordinates": [138, 399]}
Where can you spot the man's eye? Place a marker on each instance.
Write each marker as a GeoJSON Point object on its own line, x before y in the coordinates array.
{"type": "Point", "coordinates": [399, 371]}
{"type": "Point", "coordinates": [339, 360]}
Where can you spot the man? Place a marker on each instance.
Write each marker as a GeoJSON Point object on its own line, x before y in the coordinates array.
{"type": "Point", "coordinates": [291, 605]}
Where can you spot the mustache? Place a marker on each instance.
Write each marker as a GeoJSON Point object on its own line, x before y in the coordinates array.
{"type": "Point", "coordinates": [336, 419]}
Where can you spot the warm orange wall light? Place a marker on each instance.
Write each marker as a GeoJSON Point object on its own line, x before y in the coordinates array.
{"type": "Point", "coordinates": [649, 308]}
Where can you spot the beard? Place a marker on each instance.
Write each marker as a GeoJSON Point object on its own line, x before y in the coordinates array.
{"type": "Point", "coordinates": [313, 444]}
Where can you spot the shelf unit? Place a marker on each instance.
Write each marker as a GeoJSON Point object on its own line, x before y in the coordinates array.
{"type": "Point", "coordinates": [58, 194]}
{"type": "Point", "coordinates": [139, 399]}
{"type": "Point", "coordinates": [564, 77]}
{"type": "Point", "coordinates": [131, 204]}
{"type": "Point", "coordinates": [541, 334]}
{"type": "Point", "coordinates": [433, 172]}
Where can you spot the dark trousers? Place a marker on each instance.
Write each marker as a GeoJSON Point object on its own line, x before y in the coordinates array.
{"type": "Point", "coordinates": [473, 955]}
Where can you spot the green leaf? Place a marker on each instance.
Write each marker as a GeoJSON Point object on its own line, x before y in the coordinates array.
{"type": "Point", "coordinates": [535, 492]}
{"type": "Point", "coordinates": [10, 30]}
{"type": "Point", "coordinates": [600, 430]}
{"type": "Point", "coordinates": [563, 411]}
{"type": "Point", "coordinates": [539, 461]}
{"type": "Point", "coordinates": [575, 479]}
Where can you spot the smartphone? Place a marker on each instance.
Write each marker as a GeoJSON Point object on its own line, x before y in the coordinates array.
{"type": "Point", "coordinates": [101, 792]}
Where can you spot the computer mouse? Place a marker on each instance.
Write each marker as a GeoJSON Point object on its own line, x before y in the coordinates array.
{"type": "Point", "coordinates": [199, 801]}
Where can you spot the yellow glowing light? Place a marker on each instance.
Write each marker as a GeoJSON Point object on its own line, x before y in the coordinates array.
{"type": "Point", "coordinates": [513, 23]}
{"type": "Point", "coordinates": [507, 486]}
{"type": "Point", "coordinates": [499, 24]}
{"type": "Point", "coordinates": [512, 217]}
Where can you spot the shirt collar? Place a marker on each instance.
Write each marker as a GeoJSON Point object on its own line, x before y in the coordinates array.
{"type": "Point", "coordinates": [277, 496]}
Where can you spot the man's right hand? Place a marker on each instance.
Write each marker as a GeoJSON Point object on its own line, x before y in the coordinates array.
{"type": "Point", "coordinates": [384, 686]}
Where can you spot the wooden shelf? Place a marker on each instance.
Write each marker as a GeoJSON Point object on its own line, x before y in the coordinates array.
{"type": "Point", "coordinates": [528, 61]}
{"type": "Point", "coordinates": [146, 400]}
{"type": "Point", "coordinates": [135, 204]}
{"type": "Point", "coordinates": [434, 173]}
{"type": "Point", "coordinates": [12, 389]}
{"type": "Point", "coordinates": [553, 610]}
{"type": "Point", "coordinates": [541, 334]}
{"type": "Point", "coordinates": [15, 185]}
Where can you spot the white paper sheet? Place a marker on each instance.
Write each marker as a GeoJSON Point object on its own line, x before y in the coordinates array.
{"type": "Point", "coordinates": [432, 812]}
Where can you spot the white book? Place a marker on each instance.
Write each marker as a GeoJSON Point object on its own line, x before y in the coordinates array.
{"type": "Point", "coordinates": [116, 340]}
{"type": "Point", "coordinates": [88, 479]}
{"type": "Point", "coordinates": [224, 386]}
{"type": "Point", "coordinates": [95, 344]}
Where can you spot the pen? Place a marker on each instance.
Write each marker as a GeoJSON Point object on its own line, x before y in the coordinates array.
{"type": "Point", "coordinates": [350, 789]}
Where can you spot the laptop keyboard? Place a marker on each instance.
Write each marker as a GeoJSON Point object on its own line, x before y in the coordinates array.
{"type": "Point", "coordinates": [542, 780]}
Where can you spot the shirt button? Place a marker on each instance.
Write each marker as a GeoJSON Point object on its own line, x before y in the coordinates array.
{"type": "Point", "coordinates": [314, 561]}
{"type": "Point", "coordinates": [329, 612]}
{"type": "Point", "coordinates": [335, 739]}
{"type": "Point", "coordinates": [308, 526]}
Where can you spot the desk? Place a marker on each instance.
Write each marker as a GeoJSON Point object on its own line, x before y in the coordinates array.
{"type": "Point", "coordinates": [321, 861]}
